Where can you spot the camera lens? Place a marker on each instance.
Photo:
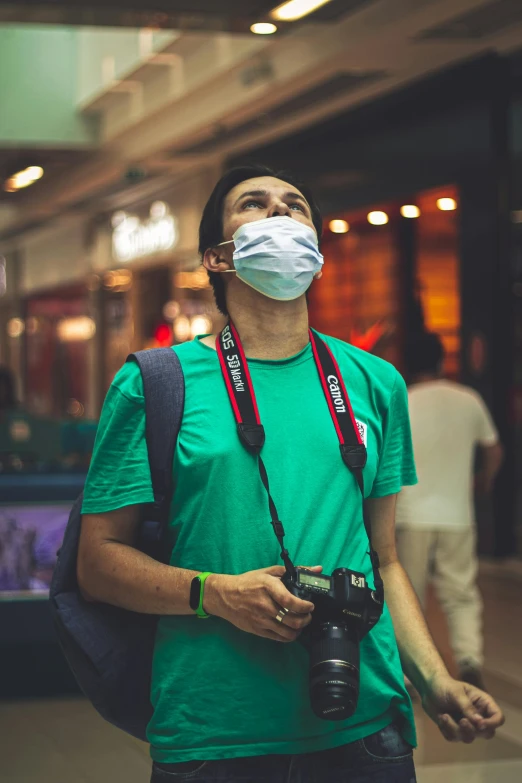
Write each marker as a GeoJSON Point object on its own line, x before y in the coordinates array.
{"type": "Point", "coordinates": [334, 671]}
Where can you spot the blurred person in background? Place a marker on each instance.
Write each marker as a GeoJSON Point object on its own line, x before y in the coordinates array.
{"type": "Point", "coordinates": [436, 536]}
{"type": "Point", "coordinates": [230, 691]}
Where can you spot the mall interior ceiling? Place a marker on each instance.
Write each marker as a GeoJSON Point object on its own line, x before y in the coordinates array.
{"type": "Point", "coordinates": [213, 92]}
{"type": "Point", "coordinates": [418, 136]}
{"type": "Point", "coordinates": [223, 16]}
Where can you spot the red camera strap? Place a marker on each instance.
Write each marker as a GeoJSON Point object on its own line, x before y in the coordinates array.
{"type": "Point", "coordinates": [236, 374]}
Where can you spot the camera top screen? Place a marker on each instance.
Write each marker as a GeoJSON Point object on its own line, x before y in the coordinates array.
{"type": "Point", "coordinates": [313, 580]}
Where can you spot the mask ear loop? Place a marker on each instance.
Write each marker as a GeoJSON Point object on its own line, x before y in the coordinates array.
{"type": "Point", "coordinates": [227, 242]}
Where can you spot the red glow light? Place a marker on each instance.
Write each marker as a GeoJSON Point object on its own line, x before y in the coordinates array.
{"type": "Point", "coordinates": [368, 340]}
{"type": "Point", "coordinates": [163, 335]}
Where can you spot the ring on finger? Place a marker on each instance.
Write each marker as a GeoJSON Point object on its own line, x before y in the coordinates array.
{"type": "Point", "coordinates": [280, 616]}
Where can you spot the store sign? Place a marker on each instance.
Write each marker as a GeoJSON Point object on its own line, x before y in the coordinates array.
{"type": "Point", "coordinates": [133, 238]}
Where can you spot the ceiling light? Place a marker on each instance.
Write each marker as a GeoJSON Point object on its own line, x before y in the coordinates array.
{"type": "Point", "coordinates": [34, 172]}
{"type": "Point", "coordinates": [410, 211]}
{"type": "Point", "coordinates": [32, 326]}
{"type": "Point", "coordinates": [118, 280]}
{"type": "Point", "coordinates": [196, 280]}
{"type": "Point", "coordinates": [182, 328]}
{"type": "Point", "coordinates": [296, 9]}
{"type": "Point", "coordinates": [76, 329]}
{"type": "Point", "coordinates": [446, 204]}
{"type": "Point", "coordinates": [75, 408]}
{"type": "Point", "coordinates": [15, 327]}
{"type": "Point", "coordinates": [338, 226]}
{"type": "Point", "coordinates": [263, 28]}
{"type": "Point", "coordinates": [378, 218]}
{"type": "Point", "coordinates": [171, 310]}
{"type": "Point", "coordinates": [22, 179]}
{"type": "Point", "coordinates": [200, 324]}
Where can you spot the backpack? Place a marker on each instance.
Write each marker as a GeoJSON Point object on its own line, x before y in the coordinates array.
{"type": "Point", "coordinates": [110, 649]}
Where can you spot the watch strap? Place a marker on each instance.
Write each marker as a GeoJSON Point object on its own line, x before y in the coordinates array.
{"type": "Point", "coordinates": [202, 578]}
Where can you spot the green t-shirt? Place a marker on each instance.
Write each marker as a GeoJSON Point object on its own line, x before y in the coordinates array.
{"type": "Point", "coordinates": [219, 692]}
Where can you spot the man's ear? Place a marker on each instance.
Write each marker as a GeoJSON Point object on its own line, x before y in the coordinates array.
{"type": "Point", "coordinates": [214, 260]}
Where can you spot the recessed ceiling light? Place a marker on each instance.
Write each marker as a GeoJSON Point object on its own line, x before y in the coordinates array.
{"type": "Point", "coordinates": [378, 218]}
{"type": "Point", "coordinates": [22, 179]}
{"type": "Point", "coordinates": [296, 9]}
{"type": "Point", "coordinates": [339, 226]}
{"type": "Point", "coordinates": [446, 204]}
{"type": "Point", "coordinates": [410, 211]}
{"type": "Point", "coordinates": [263, 28]}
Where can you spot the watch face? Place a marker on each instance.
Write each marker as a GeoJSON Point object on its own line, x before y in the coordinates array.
{"type": "Point", "coordinates": [195, 591]}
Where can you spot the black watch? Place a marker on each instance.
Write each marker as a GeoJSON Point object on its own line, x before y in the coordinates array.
{"type": "Point", "coordinates": [197, 589]}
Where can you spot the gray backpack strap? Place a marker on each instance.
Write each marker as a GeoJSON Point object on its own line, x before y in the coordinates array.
{"type": "Point", "coordinates": [164, 388]}
{"type": "Point", "coordinates": [110, 650]}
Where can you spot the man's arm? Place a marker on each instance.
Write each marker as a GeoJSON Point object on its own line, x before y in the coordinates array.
{"type": "Point", "coordinates": [490, 449]}
{"type": "Point", "coordinates": [461, 711]}
{"type": "Point", "coordinates": [110, 570]}
{"type": "Point", "coordinates": [491, 458]}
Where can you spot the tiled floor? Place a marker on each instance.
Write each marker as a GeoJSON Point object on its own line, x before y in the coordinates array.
{"type": "Point", "coordinates": [493, 772]}
{"type": "Point", "coordinates": [500, 760]}
{"type": "Point", "coordinates": [64, 741]}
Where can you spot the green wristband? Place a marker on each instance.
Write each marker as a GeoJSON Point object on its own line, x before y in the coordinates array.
{"type": "Point", "coordinates": [200, 612]}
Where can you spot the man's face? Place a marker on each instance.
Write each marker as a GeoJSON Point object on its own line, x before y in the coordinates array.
{"type": "Point", "coordinates": [263, 197]}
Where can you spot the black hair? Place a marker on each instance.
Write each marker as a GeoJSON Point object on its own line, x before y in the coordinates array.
{"type": "Point", "coordinates": [211, 226]}
{"type": "Point", "coordinates": [424, 353]}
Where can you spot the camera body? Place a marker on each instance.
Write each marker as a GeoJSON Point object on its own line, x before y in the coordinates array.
{"type": "Point", "coordinates": [345, 610]}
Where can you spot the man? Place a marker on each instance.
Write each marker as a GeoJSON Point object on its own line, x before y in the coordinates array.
{"type": "Point", "coordinates": [230, 692]}
{"type": "Point", "coordinates": [435, 520]}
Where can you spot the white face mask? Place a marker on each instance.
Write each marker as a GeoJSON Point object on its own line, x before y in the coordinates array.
{"type": "Point", "coordinates": [276, 256]}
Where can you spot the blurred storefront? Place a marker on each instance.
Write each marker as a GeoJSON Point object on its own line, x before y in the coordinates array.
{"type": "Point", "coordinates": [47, 327]}
{"type": "Point", "coordinates": [147, 278]}
{"type": "Point", "coordinates": [47, 322]}
{"type": "Point", "coordinates": [58, 329]}
{"type": "Point", "coordinates": [86, 291]}
{"type": "Point", "coordinates": [389, 269]}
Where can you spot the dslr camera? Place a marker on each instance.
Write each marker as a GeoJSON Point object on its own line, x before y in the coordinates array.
{"type": "Point", "coordinates": [345, 610]}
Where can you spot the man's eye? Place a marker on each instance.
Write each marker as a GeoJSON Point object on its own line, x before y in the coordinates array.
{"type": "Point", "coordinates": [298, 206]}
{"type": "Point", "coordinates": [249, 204]}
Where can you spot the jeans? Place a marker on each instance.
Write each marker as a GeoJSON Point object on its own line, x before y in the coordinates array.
{"type": "Point", "coordinates": [383, 757]}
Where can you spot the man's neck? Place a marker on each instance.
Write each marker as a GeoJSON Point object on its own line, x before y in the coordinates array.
{"type": "Point", "coordinates": [268, 329]}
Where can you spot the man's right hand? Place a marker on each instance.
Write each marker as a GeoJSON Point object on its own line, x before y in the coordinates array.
{"type": "Point", "coordinates": [251, 602]}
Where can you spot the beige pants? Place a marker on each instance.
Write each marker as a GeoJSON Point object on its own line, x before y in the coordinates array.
{"type": "Point", "coordinates": [448, 559]}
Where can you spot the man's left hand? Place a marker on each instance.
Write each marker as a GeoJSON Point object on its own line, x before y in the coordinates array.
{"type": "Point", "coordinates": [461, 711]}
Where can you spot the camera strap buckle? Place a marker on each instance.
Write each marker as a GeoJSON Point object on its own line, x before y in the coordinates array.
{"type": "Point", "coordinates": [354, 457]}
{"type": "Point", "coordinates": [252, 435]}
{"type": "Point", "coordinates": [279, 529]}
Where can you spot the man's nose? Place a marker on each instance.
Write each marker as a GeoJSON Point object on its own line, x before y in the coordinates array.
{"type": "Point", "coordinates": [279, 209]}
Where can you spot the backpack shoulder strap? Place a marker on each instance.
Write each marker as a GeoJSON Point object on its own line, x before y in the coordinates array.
{"type": "Point", "coordinates": [164, 388]}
